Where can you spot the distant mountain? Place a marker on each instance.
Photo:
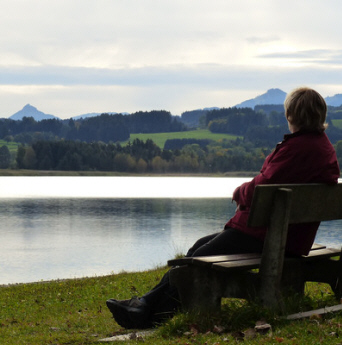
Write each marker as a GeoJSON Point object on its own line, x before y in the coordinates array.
{"type": "Point", "coordinates": [334, 101]}
{"type": "Point", "coordinates": [30, 111]}
{"type": "Point", "coordinates": [277, 96]}
{"type": "Point", "coordinates": [272, 96]}
{"type": "Point", "coordinates": [211, 108]}
{"type": "Point", "coordinates": [84, 116]}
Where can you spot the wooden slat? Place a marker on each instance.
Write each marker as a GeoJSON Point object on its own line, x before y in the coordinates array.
{"type": "Point", "coordinates": [311, 203]}
{"type": "Point", "coordinates": [237, 265]}
{"type": "Point", "coordinates": [255, 262]}
{"type": "Point", "coordinates": [322, 311]}
{"type": "Point", "coordinates": [179, 262]}
{"type": "Point", "coordinates": [322, 253]}
{"type": "Point", "coordinates": [316, 246]}
{"type": "Point", "coordinates": [209, 260]}
{"type": "Point", "coordinates": [249, 263]}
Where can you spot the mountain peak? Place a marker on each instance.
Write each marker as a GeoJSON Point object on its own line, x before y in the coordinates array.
{"type": "Point", "coordinates": [29, 106]}
{"type": "Point", "coordinates": [272, 96]}
{"type": "Point", "coordinates": [275, 91]}
{"type": "Point", "coordinates": [31, 111]}
{"type": "Point", "coordinates": [335, 101]}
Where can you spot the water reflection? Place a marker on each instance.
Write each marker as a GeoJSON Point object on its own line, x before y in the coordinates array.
{"type": "Point", "coordinates": [62, 238]}
{"type": "Point", "coordinates": [329, 234]}
{"type": "Point", "coordinates": [44, 239]}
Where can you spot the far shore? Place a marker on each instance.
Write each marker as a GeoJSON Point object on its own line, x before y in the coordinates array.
{"type": "Point", "coordinates": [25, 172]}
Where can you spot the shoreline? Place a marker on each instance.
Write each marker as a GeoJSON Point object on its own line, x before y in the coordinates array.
{"type": "Point", "coordinates": [24, 172]}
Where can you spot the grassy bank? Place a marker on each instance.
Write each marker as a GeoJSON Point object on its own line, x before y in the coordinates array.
{"type": "Point", "coordinates": [74, 312]}
{"type": "Point", "coordinates": [25, 172]}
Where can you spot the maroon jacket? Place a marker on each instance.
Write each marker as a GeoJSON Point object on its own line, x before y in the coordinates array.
{"type": "Point", "coordinates": [302, 157]}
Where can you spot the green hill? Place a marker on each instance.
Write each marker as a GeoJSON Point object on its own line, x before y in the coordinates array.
{"type": "Point", "coordinates": [160, 138]}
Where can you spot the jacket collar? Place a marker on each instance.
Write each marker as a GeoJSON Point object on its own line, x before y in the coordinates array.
{"type": "Point", "coordinates": [299, 133]}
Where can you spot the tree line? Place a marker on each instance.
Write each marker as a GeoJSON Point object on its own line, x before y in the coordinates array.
{"type": "Point", "coordinates": [263, 127]}
{"type": "Point", "coordinates": [94, 143]}
{"type": "Point", "coordinates": [106, 128]}
{"type": "Point", "coordinates": [139, 157]}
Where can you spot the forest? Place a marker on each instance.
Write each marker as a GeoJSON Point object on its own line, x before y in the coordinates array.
{"type": "Point", "coordinates": [102, 143]}
{"type": "Point", "coordinates": [105, 128]}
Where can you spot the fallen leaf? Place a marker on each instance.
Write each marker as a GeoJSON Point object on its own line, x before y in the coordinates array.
{"type": "Point", "coordinates": [194, 330]}
{"type": "Point", "coordinates": [218, 329]}
{"type": "Point", "coordinates": [279, 340]}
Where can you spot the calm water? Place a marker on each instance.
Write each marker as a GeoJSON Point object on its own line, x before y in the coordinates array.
{"type": "Point", "coordinates": [74, 227]}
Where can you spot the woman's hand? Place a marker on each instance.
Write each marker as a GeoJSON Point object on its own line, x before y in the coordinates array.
{"type": "Point", "coordinates": [239, 208]}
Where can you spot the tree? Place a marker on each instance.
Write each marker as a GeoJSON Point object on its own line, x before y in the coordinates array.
{"type": "Point", "coordinates": [141, 166]}
{"type": "Point", "coordinates": [123, 162]}
{"type": "Point", "coordinates": [159, 165]}
{"type": "Point", "coordinates": [30, 159]}
{"type": "Point", "coordinates": [5, 157]}
{"type": "Point", "coordinates": [71, 161]}
{"type": "Point", "coordinates": [20, 156]}
{"type": "Point", "coordinates": [8, 138]}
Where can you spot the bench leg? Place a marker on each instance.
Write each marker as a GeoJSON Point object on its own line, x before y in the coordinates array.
{"type": "Point", "coordinates": [337, 288]}
{"type": "Point", "coordinates": [293, 280]}
{"type": "Point", "coordinates": [196, 288]}
{"type": "Point", "coordinates": [201, 288]}
{"type": "Point", "coordinates": [326, 271]}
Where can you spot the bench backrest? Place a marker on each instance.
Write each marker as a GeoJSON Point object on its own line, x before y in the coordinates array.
{"type": "Point", "coordinates": [310, 203]}
{"type": "Point", "coordinates": [277, 206]}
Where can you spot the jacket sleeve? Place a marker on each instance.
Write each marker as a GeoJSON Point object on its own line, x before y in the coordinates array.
{"type": "Point", "coordinates": [274, 170]}
{"type": "Point", "coordinates": [243, 194]}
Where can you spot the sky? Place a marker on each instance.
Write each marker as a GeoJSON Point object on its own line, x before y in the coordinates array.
{"type": "Point", "coordinates": [71, 57]}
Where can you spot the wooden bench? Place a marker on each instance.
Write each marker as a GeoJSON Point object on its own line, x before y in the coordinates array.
{"type": "Point", "coordinates": [266, 277]}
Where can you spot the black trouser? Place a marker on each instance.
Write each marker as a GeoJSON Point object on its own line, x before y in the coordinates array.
{"type": "Point", "coordinates": [163, 299]}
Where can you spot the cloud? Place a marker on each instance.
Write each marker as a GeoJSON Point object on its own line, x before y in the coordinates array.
{"type": "Point", "coordinates": [196, 75]}
{"type": "Point", "coordinates": [310, 57]}
{"type": "Point", "coordinates": [309, 53]}
{"type": "Point", "coordinates": [262, 39]}
{"type": "Point", "coordinates": [127, 55]}
{"type": "Point", "coordinates": [66, 91]}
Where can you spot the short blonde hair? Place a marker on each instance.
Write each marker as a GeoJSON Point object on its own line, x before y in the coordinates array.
{"type": "Point", "coordinates": [306, 109]}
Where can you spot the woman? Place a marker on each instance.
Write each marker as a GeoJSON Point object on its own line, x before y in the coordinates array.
{"type": "Point", "coordinates": [304, 156]}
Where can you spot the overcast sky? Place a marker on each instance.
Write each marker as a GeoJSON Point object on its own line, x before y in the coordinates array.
{"type": "Point", "coordinates": [70, 57]}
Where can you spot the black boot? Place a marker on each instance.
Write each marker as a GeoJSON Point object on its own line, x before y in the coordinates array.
{"type": "Point", "coordinates": [131, 313]}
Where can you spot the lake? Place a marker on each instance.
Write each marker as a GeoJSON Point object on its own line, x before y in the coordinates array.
{"type": "Point", "coordinates": [66, 227]}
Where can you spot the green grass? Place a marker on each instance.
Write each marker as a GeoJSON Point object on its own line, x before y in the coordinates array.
{"type": "Point", "coordinates": [12, 146]}
{"type": "Point", "coordinates": [66, 312]}
{"type": "Point", "coordinates": [74, 312]}
{"type": "Point", "coordinates": [160, 138]}
{"type": "Point", "coordinates": [337, 123]}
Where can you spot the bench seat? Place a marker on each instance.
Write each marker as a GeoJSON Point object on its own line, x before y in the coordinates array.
{"type": "Point", "coordinates": [238, 279]}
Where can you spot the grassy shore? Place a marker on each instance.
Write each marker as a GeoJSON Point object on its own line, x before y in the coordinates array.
{"type": "Point", "coordinates": [73, 311]}
{"type": "Point", "coordinates": [25, 172]}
